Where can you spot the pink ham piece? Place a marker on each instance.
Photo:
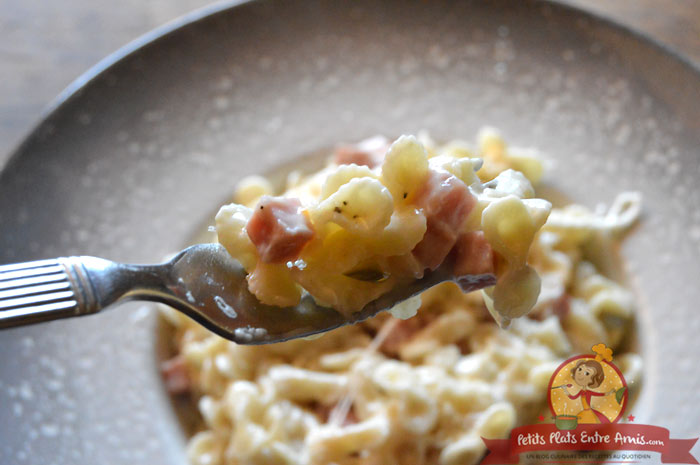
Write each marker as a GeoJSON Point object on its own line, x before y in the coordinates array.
{"type": "Point", "coordinates": [175, 376]}
{"type": "Point", "coordinates": [446, 203]}
{"type": "Point", "coordinates": [402, 332]}
{"type": "Point", "coordinates": [369, 152]}
{"type": "Point", "coordinates": [474, 255]}
{"type": "Point", "coordinates": [561, 307]}
{"type": "Point", "coordinates": [279, 229]}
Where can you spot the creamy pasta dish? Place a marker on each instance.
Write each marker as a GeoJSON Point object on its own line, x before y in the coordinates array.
{"type": "Point", "coordinates": [380, 215]}
{"type": "Point", "coordinates": [418, 390]}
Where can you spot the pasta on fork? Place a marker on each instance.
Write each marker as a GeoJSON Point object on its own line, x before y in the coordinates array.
{"type": "Point", "coordinates": [355, 230]}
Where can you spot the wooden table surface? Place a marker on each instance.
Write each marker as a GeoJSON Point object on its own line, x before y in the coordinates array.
{"type": "Point", "coordinates": [45, 45]}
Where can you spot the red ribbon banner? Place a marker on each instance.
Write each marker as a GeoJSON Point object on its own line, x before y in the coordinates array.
{"type": "Point", "coordinates": [615, 436]}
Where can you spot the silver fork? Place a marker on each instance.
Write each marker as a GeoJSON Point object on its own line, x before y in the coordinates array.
{"type": "Point", "coordinates": [203, 281]}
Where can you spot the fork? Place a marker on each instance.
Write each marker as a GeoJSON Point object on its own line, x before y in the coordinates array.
{"type": "Point", "coordinates": [203, 281]}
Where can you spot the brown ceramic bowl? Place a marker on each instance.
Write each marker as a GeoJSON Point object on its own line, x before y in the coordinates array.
{"type": "Point", "coordinates": [144, 147]}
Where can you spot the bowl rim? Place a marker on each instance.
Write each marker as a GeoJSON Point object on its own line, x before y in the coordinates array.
{"type": "Point", "coordinates": [195, 16]}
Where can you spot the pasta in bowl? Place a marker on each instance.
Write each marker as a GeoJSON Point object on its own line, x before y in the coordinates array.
{"type": "Point", "coordinates": [425, 389]}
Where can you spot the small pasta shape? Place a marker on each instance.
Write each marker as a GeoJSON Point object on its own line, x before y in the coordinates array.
{"type": "Point", "coordinates": [214, 413]}
{"type": "Point", "coordinates": [631, 366]}
{"type": "Point", "coordinates": [499, 157]}
{"type": "Point", "coordinates": [467, 396]}
{"type": "Point", "coordinates": [406, 309]}
{"type": "Point", "coordinates": [490, 141]}
{"type": "Point", "coordinates": [418, 409]}
{"type": "Point", "coordinates": [463, 168]}
{"type": "Point", "coordinates": [331, 442]}
{"type": "Point", "coordinates": [342, 175]}
{"type": "Point", "coordinates": [448, 328]}
{"type": "Point", "coordinates": [527, 161]}
{"type": "Point", "coordinates": [509, 182]}
{"type": "Point", "coordinates": [204, 449]}
{"type": "Point", "coordinates": [510, 227]}
{"type": "Point", "coordinates": [304, 385]}
{"type": "Point", "coordinates": [514, 295]}
{"type": "Point", "coordinates": [289, 420]}
{"type": "Point", "coordinates": [230, 229]}
{"type": "Point", "coordinates": [363, 206]}
{"type": "Point", "coordinates": [251, 443]}
{"type": "Point", "coordinates": [456, 149]}
{"type": "Point", "coordinates": [496, 421]}
{"type": "Point", "coordinates": [272, 284]}
{"type": "Point", "coordinates": [477, 365]}
{"type": "Point", "coordinates": [244, 402]}
{"type": "Point", "coordinates": [406, 228]}
{"type": "Point", "coordinates": [581, 221]}
{"type": "Point", "coordinates": [548, 333]}
{"type": "Point", "coordinates": [540, 375]}
{"type": "Point", "coordinates": [582, 328]}
{"type": "Point", "coordinates": [250, 189]}
{"type": "Point", "coordinates": [405, 168]}
{"type": "Point", "coordinates": [465, 450]}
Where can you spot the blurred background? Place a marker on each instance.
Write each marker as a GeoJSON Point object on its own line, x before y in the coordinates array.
{"type": "Point", "coordinates": [45, 45]}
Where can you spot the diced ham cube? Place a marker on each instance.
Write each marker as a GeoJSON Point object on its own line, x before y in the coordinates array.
{"type": "Point", "coordinates": [435, 245]}
{"type": "Point", "coordinates": [474, 255]}
{"type": "Point", "coordinates": [561, 307]}
{"type": "Point", "coordinates": [401, 333]}
{"type": "Point", "coordinates": [404, 330]}
{"type": "Point", "coordinates": [279, 229]}
{"type": "Point", "coordinates": [446, 203]}
{"type": "Point", "coordinates": [175, 376]}
{"type": "Point", "coordinates": [369, 152]}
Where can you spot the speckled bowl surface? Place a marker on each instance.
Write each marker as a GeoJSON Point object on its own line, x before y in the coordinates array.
{"type": "Point", "coordinates": [142, 150]}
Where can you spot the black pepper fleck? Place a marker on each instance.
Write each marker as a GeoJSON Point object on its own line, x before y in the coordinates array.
{"type": "Point", "coordinates": [405, 194]}
{"type": "Point", "coordinates": [337, 210]}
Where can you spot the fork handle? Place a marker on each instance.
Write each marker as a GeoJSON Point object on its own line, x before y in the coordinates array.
{"type": "Point", "coordinates": [45, 290]}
